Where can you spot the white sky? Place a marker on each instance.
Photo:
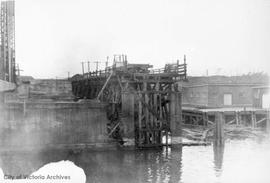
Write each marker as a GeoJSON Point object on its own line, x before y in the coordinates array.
{"type": "Point", "coordinates": [225, 37]}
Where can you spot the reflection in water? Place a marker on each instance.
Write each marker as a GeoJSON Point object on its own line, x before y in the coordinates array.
{"type": "Point", "coordinates": [163, 165]}
{"type": "Point", "coordinates": [218, 157]}
{"type": "Point", "coordinates": [241, 161]}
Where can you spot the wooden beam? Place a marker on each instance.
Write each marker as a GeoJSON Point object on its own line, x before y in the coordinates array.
{"type": "Point", "coordinates": [211, 122]}
{"type": "Point", "coordinates": [114, 128]}
{"type": "Point", "coordinates": [264, 119]}
{"type": "Point", "coordinates": [104, 86]}
{"type": "Point", "coordinates": [231, 122]}
{"type": "Point", "coordinates": [119, 82]}
{"type": "Point", "coordinates": [140, 120]}
{"type": "Point", "coordinates": [253, 119]}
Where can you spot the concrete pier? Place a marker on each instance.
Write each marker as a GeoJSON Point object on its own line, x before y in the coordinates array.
{"type": "Point", "coordinates": [42, 124]}
{"type": "Point", "coordinates": [6, 86]}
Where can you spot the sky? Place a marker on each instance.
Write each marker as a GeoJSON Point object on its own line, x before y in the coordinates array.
{"type": "Point", "coordinates": [229, 37]}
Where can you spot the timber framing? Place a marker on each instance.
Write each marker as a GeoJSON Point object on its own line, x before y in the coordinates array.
{"type": "Point", "coordinates": [149, 99]}
{"type": "Point", "coordinates": [252, 117]}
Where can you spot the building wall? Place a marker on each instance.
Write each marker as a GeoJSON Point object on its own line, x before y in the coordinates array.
{"type": "Point", "coordinates": [241, 95]}
{"type": "Point", "coordinates": [196, 95]}
{"type": "Point", "coordinates": [212, 95]}
{"type": "Point", "coordinates": [257, 96]}
{"type": "Point", "coordinates": [41, 89]}
{"type": "Point", "coordinates": [240, 87]}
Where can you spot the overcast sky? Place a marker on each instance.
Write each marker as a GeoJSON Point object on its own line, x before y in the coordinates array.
{"type": "Point", "coordinates": [223, 37]}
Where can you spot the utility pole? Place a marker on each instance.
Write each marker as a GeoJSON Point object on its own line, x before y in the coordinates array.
{"type": "Point", "coordinates": [88, 66]}
{"type": "Point", "coordinates": [97, 62]}
{"type": "Point", "coordinates": [82, 68]}
{"type": "Point", "coordinates": [106, 64]}
{"type": "Point", "coordinates": [18, 70]}
{"type": "Point", "coordinates": [107, 61]}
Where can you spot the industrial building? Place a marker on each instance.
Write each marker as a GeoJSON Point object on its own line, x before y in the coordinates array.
{"type": "Point", "coordinates": [222, 91]}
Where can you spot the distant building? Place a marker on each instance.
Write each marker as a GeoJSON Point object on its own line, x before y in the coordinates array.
{"type": "Point", "coordinates": [40, 89]}
{"type": "Point", "coordinates": [261, 97]}
{"type": "Point", "coordinates": [221, 91]}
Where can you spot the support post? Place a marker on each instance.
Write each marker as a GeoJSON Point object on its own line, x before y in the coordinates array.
{"type": "Point", "coordinates": [172, 119]}
{"type": "Point", "coordinates": [205, 122]}
{"type": "Point", "coordinates": [140, 122]}
{"type": "Point", "coordinates": [268, 121]}
{"type": "Point", "coordinates": [2, 107]}
{"type": "Point", "coordinates": [82, 67]}
{"type": "Point", "coordinates": [24, 107]}
{"type": "Point", "coordinates": [178, 113]}
{"type": "Point", "coordinates": [88, 64]}
{"type": "Point", "coordinates": [253, 119]}
{"type": "Point", "coordinates": [219, 129]}
{"type": "Point", "coordinates": [237, 118]}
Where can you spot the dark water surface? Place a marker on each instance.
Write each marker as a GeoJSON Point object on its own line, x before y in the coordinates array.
{"type": "Point", "coordinates": [238, 161]}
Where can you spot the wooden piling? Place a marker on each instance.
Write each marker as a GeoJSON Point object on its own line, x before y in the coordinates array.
{"type": "Point", "coordinates": [2, 107]}
{"type": "Point", "coordinates": [140, 120]}
{"type": "Point", "coordinates": [219, 129]}
{"type": "Point", "coordinates": [237, 118]}
{"type": "Point", "coordinates": [268, 120]}
{"type": "Point", "coordinates": [253, 119]}
{"type": "Point", "coordinates": [205, 119]}
{"type": "Point", "coordinates": [24, 107]}
{"type": "Point", "coordinates": [172, 108]}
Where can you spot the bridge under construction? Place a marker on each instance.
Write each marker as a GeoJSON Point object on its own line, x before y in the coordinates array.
{"type": "Point", "coordinates": [142, 102]}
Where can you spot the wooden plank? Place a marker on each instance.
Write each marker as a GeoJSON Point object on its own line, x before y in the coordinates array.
{"type": "Point", "coordinates": [104, 86]}
{"type": "Point", "coordinates": [114, 128]}
{"type": "Point", "coordinates": [192, 114]}
{"type": "Point", "coordinates": [211, 122]}
{"type": "Point", "coordinates": [262, 120]}
{"type": "Point", "coordinates": [231, 122]}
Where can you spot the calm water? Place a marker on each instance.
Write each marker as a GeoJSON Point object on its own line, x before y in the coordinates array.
{"type": "Point", "coordinates": [240, 161]}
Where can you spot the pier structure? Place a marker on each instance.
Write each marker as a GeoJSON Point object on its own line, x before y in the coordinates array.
{"type": "Point", "coordinates": [241, 116]}
{"type": "Point", "coordinates": [142, 102]}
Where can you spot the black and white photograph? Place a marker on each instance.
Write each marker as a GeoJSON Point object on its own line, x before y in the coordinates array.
{"type": "Point", "coordinates": [134, 91]}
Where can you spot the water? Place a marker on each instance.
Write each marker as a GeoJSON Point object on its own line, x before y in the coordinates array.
{"type": "Point", "coordinates": [240, 161]}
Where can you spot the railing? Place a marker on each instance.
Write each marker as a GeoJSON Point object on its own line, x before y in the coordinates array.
{"type": "Point", "coordinates": [171, 68]}
{"type": "Point", "coordinates": [178, 69]}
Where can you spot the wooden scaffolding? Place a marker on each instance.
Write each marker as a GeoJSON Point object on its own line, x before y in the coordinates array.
{"type": "Point", "coordinates": [142, 102]}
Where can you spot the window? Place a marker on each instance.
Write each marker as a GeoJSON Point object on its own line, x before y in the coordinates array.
{"type": "Point", "coordinates": [227, 99]}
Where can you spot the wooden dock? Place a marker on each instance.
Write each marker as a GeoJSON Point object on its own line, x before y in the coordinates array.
{"type": "Point", "coordinates": [246, 116]}
{"type": "Point", "coordinates": [226, 122]}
